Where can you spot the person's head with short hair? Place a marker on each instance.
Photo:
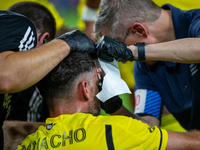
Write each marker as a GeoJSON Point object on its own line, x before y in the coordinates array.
{"type": "Point", "coordinates": [117, 16]}
{"type": "Point", "coordinates": [40, 16]}
{"type": "Point", "coordinates": [72, 85]}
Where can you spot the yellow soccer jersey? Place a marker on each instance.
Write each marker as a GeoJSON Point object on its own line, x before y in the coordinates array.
{"type": "Point", "coordinates": [85, 131]}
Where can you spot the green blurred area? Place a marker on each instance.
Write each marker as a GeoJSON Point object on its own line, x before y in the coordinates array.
{"type": "Point", "coordinates": [70, 16]}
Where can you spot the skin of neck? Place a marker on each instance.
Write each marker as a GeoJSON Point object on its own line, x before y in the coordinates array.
{"type": "Point", "coordinates": [68, 108]}
{"type": "Point", "coordinates": [161, 30]}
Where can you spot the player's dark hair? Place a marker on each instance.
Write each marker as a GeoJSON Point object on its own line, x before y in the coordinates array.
{"type": "Point", "coordinates": [60, 81]}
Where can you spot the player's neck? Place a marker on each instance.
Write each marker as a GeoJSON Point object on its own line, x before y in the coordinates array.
{"type": "Point", "coordinates": [67, 108]}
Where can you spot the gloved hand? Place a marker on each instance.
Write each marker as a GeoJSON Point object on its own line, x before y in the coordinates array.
{"type": "Point", "coordinates": [111, 105]}
{"type": "Point", "coordinates": [78, 41]}
{"type": "Point", "coordinates": [108, 49]}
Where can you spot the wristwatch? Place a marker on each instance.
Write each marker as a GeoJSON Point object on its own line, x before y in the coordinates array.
{"type": "Point", "coordinates": [141, 51]}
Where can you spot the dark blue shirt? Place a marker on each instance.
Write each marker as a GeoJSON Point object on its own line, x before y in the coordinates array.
{"type": "Point", "coordinates": [168, 83]}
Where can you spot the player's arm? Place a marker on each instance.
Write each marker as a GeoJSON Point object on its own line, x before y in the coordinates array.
{"type": "Point", "coordinates": [125, 112]}
{"type": "Point", "coordinates": [186, 140]}
{"type": "Point", "coordinates": [148, 103]}
{"type": "Point", "coordinates": [113, 106]}
{"type": "Point", "coordinates": [150, 120]}
{"type": "Point", "coordinates": [20, 70]}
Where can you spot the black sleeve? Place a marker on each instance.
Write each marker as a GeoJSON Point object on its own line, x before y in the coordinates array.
{"type": "Point", "coordinates": [17, 32]}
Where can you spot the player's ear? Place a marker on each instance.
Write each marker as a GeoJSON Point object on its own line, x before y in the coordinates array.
{"type": "Point", "coordinates": [139, 29]}
{"type": "Point", "coordinates": [42, 38]}
{"type": "Point", "coordinates": [85, 90]}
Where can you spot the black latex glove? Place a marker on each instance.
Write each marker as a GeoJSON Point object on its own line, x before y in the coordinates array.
{"type": "Point", "coordinates": [111, 105]}
{"type": "Point", "coordinates": [78, 42]}
{"type": "Point", "coordinates": [108, 49]}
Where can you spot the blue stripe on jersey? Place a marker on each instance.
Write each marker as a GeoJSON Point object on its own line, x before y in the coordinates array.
{"type": "Point", "coordinates": [153, 103]}
{"type": "Point", "coordinates": [109, 138]}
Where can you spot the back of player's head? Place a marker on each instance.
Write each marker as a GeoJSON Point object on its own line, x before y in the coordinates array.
{"type": "Point", "coordinates": [39, 15]}
{"type": "Point", "coordinates": [59, 83]}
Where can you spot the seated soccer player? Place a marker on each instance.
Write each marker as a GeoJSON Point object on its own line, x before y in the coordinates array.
{"type": "Point", "coordinates": [70, 92]}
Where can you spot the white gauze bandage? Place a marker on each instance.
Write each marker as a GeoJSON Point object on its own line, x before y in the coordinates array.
{"type": "Point", "coordinates": [112, 83]}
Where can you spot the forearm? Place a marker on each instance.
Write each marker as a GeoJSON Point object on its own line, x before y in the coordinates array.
{"type": "Point", "coordinates": [150, 120]}
{"type": "Point", "coordinates": [183, 51]}
{"type": "Point", "coordinates": [125, 112]}
{"type": "Point", "coordinates": [20, 70]}
{"type": "Point", "coordinates": [182, 141]}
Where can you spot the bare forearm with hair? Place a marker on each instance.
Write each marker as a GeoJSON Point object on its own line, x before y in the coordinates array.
{"type": "Point", "coordinates": [125, 112]}
{"type": "Point", "coordinates": [176, 140]}
{"type": "Point", "coordinates": [20, 70]}
{"type": "Point", "coordinates": [183, 141]}
{"type": "Point", "coordinates": [183, 51]}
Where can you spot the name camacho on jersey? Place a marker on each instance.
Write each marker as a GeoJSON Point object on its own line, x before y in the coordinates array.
{"type": "Point", "coordinates": [85, 131]}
